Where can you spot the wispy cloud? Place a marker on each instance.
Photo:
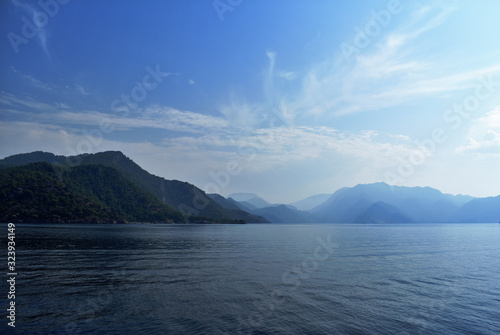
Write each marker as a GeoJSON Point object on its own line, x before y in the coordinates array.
{"type": "Point", "coordinates": [174, 119]}
{"type": "Point", "coordinates": [154, 117]}
{"type": "Point", "coordinates": [80, 89]}
{"type": "Point", "coordinates": [34, 82]}
{"type": "Point", "coordinates": [288, 75]}
{"type": "Point", "coordinates": [259, 150]}
{"type": "Point", "coordinates": [390, 73]}
{"type": "Point", "coordinates": [266, 148]}
{"type": "Point", "coordinates": [27, 101]}
{"type": "Point", "coordinates": [483, 139]}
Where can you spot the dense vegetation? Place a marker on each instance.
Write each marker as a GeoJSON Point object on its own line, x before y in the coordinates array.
{"type": "Point", "coordinates": [42, 192]}
{"type": "Point", "coordinates": [34, 194]}
{"type": "Point", "coordinates": [183, 197]}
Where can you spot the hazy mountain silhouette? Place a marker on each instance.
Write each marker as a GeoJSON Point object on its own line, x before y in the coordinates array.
{"type": "Point", "coordinates": [479, 210]}
{"type": "Point", "coordinates": [380, 212]}
{"type": "Point", "coordinates": [284, 214]}
{"type": "Point", "coordinates": [251, 200]}
{"type": "Point", "coordinates": [310, 202]}
{"type": "Point", "coordinates": [364, 203]}
{"type": "Point", "coordinates": [410, 204]}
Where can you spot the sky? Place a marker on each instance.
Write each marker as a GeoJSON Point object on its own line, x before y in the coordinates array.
{"type": "Point", "coordinates": [285, 99]}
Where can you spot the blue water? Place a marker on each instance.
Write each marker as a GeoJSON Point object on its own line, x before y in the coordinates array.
{"type": "Point", "coordinates": [256, 279]}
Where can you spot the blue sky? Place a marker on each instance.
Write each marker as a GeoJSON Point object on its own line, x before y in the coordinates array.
{"type": "Point", "coordinates": [282, 98]}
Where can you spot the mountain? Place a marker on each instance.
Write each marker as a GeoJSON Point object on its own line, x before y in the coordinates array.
{"type": "Point", "coordinates": [273, 213]}
{"type": "Point", "coordinates": [39, 192]}
{"type": "Point", "coordinates": [310, 202]}
{"type": "Point", "coordinates": [110, 187]}
{"type": "Point", "coordinates": [408, 204]}
{"type": "Point", "coordinates": [482, 210]}
{"type": "Point", "coordinates": [34, 157]}
{"type": "Point", "coordinates": [227, 203]}
{"type": "Point", "coordinates": [181, 196]}
{"type": "Point", "coordinates": [251, 200]}
{"type": "Point", "coordinates": [380, 212]}
{"type": "Point", "coordinates": [234, 205]}
{"type": "Point", "coordinates": [242, 196]}
{"type": "Point", "coordinates": [284, 214]}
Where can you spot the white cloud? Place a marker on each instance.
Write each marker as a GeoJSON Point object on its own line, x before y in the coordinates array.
{"type": "Point", "coordinates": [156, 117]}
{"type": "Point", "coordinates": [424, 19]}
{"type": "Point", "coordinates": [264, 149]}
{"type": "Point", "coordinates": [390, 72]}
{"type": "Point", "coordinates": [488, 145]}
{"type": "Point", "coordinates": [483, 138]}
{"type": "Point", "coordinates": [27, 101]}
{"type": "Point", "coordinates": [241, 114]}
{"type": "Point", "coordinates": [288, 75]}
{"type": "Point", "coordinates": [176, 120]}
{"type": "Point", "coordinates": [80, 89]}
{"type": "Point", "coordinates": [261, 149]}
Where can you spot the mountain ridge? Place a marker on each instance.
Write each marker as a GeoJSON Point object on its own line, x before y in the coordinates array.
{"type": "Point", "coordinates": [383, 203]}
{"type": "Point", "coordinates": [181, 196]}
{"type": "Point", "coordinates": [40, 192]}
{"type": "Point", "coordinates": [363, 203]}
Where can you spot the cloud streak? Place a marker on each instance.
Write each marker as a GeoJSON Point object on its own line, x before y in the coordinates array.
{"type": "Point", "coordinates": [152, 117]}
{"type": "Point", "coordinates": [483, 139]}
{"type": "Point", "coordinates": [390, 73]}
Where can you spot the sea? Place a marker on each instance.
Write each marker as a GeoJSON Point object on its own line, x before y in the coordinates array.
{"type": "Point", "coordinates": [254, 279]}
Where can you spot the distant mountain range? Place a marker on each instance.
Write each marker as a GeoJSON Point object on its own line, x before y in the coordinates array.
{"type": "Point", "coordinates": [250, 200]}
{"type": "Point", "coordinates": [310, 202]}
{"type": "Point", "coordinates": [109, 187]}
{"type": "Point", "coordinates": [379, 203]}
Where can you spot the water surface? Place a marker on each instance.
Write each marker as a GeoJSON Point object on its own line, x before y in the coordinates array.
{"type": "Point", "coordinates": [257, 279]}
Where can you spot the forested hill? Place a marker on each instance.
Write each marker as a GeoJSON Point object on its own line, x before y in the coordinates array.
{"type": "Point", "coordinates": [40, 192]}
{"type": "Point", "coordinates": [104, 187]}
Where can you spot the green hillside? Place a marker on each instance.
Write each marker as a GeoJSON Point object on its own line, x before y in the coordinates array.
{"type": "Point", "coordinates": [41, 192]}
{"type": "Point", "coordinates": [181, 196]}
